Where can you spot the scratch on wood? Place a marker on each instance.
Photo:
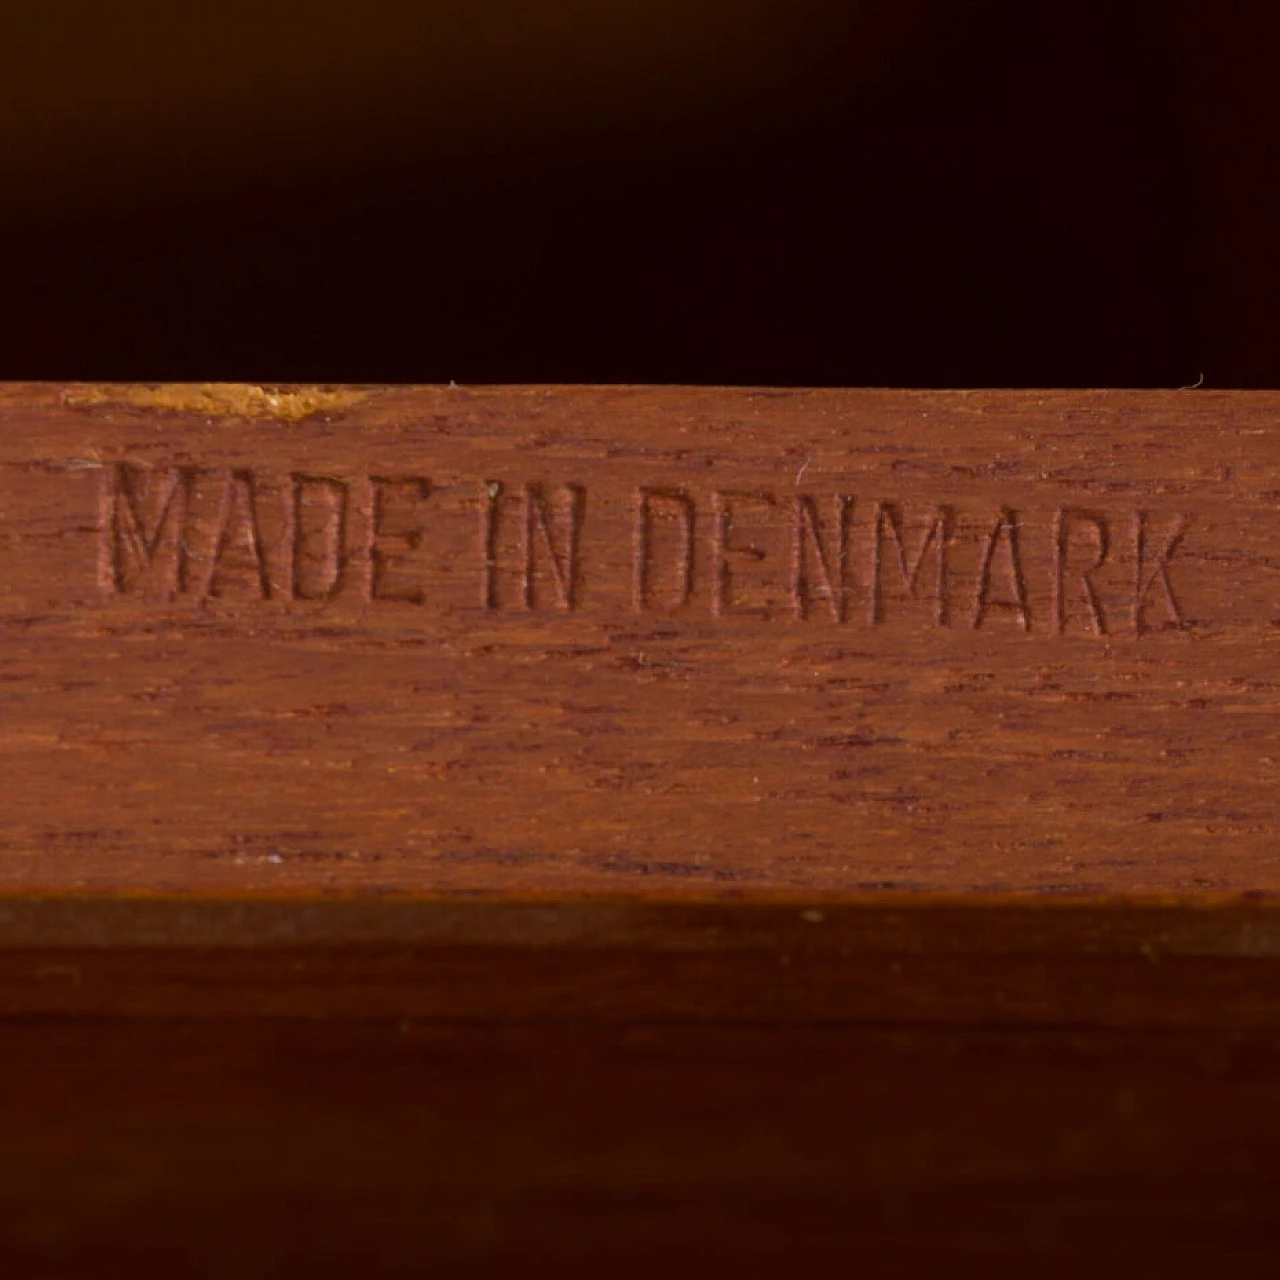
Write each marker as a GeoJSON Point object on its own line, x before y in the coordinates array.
{"type": "Point", "coordinates": [221, 399]}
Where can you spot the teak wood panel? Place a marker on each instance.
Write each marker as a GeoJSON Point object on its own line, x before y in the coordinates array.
{"type": "Point", "coordinates": [315, 1147]}
{"type": "Point", "coordinates": [638, 640]}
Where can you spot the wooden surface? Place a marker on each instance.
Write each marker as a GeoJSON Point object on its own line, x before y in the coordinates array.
{"type": "Point", "coordinates": [628, 829]}
{"type": "Point", "coordinates": [904, 961]}
{"type": "Point", "coordinates": [261, 1088]}
{"type": "Point", "coordinates": [267, 1088]}
{"type": "Point", "coordinates": [638, 641]}
{"type": "Point", "coordinates": [259, 1149]}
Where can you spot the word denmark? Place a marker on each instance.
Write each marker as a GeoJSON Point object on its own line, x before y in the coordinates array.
{"type": "Point", "coordinates": [186, 532]}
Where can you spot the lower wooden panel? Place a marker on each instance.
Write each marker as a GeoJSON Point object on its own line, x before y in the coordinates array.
{"type": "Point", "coordinates": [268, 1147]}
{"type": "Point", "coordinates": [262, 1089]}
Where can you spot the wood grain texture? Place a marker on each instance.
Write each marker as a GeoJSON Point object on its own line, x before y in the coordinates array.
{"type": "Point", "coordinates": [635, 641]}
{"type": "Point", "coordinates": [916, 961]}
{"type": "Point", "coordinates": [274, 1087]}
{"type": "Point", "coordinates": [257, 1149]}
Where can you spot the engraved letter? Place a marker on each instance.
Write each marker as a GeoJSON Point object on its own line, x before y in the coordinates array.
{"type": "Point", "coordinates": [380, 559]}
{"type": "Point", "coordinates": [1063, 520]}
{"type": "Point", "coordinates": [1145, 576]}
{"type": "Point", "coordinates": [238, 513]}
{"type": "Point", "coordinates": [1005, 533]}
{"type": "Point", "coordinates": [490, 492]}
{"type": "Point", "coordinates": [319, 554]}
{"type": "Point", "coordinates": [723, 506]}
{"type": "Point", "coordinates": [888, 521]}
{"type": "Point", "coordinates": [130, 557]}
{"type": "Point", "coordinates": [682, 507]}
{"type": "Point", "coordinates": [806, 529]}
{"type": "Point", "coordinates": [537, 525]}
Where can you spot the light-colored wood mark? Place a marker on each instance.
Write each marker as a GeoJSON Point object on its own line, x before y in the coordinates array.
{"type": "Point", "coordinates": [629, 640]}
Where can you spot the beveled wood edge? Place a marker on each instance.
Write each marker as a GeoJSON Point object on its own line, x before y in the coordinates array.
{"type": "Point", "coordinates": [1199, 925]}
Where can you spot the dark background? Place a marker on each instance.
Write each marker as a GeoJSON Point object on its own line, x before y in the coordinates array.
{"type": "Point", "coordinates": [916, 192]}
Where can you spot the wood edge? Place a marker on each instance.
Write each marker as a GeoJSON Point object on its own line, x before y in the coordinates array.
{"type": "Point", "coordinates": [53, 392]}
{"type": "Point", "coordinates": [1205, 925]}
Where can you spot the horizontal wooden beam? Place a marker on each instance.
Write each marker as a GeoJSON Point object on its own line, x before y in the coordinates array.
{"type": "Point", "coordinates": [651, 642]}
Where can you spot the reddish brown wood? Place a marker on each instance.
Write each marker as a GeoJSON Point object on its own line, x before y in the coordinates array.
{"type": "Point", "coordinates": [278, 1086]}
{"type": "Point", "coordinates": [260, 1148]}
{"type": "Point", "coordinates": [638, 641]}
{"type": "Point", "coordinates": [432, 834]}
{"type": "Point", "coordinates": [908, 962]}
